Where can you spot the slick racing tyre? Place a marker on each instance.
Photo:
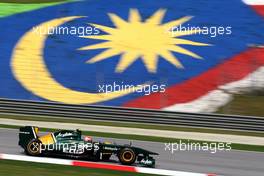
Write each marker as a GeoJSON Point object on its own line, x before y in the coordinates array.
{"type": "Point", "coordinates": [33, 148]}
{"type": "Point", "coordinates": [127, 156]}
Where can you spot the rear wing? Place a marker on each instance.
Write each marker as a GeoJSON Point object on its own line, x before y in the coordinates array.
{"type": "Point", "coordinates": [26, 134]}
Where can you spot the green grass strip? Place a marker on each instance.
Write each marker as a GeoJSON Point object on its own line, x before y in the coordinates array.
{"type": "Point", "coordinates": [250, 104]}
{"type": "Point", "coordinates": [129, 125]}
{"type": "Point", "coordinates": [21, 168]}
{"type": "Point", "coordinates": [7, 9]}
{"type": "Point", "coordinates": [30, 1]}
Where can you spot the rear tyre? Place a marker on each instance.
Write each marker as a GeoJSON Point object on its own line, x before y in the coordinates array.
{"type": "Point", "coordinates": [33, 148]}
{"type": "Point", "coordinates": [127, 156]}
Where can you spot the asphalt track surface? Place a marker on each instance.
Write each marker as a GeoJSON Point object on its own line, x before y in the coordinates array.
{"type": "Point", "coordinates": [227, 163]}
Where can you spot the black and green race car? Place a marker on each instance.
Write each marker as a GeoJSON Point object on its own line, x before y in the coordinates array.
{"type": "Point", "coordinates": [70, 143]}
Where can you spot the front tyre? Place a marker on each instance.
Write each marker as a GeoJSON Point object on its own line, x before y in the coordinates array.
{"type": "Point", "coordinates": [127, 156]}
{"type": "Point", "coordinates": [33, 148]}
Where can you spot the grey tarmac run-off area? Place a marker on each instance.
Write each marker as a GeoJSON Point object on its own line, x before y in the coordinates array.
{"type": "Point", "coordinates": [228, 163]}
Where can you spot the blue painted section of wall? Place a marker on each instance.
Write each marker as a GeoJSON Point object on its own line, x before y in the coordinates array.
{"type": "Point", "coordinates": [67, 64]}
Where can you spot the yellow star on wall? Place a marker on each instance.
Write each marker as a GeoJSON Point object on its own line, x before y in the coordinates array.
{"type": "Point", "coordinates": [147, 40]}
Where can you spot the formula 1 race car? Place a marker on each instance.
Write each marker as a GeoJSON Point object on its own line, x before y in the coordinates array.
{"type": "Point", "coordinates": [70, 143]}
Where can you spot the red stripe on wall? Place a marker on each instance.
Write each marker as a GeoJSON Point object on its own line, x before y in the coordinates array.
{"type": "Point", "coordinates": [259, 9]}
{"type": "Point", "coordinates": [233, 69]}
